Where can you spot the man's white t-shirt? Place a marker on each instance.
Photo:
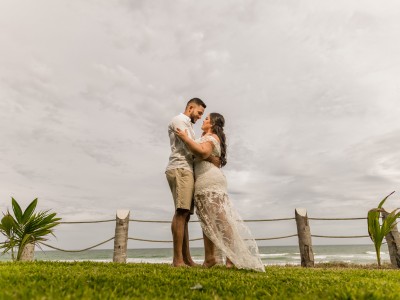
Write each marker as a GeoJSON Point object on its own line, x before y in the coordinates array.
{"type": "Point", "coordinates": [180, 156]}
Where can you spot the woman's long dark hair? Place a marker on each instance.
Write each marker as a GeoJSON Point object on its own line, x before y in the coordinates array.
{"type": "Point", "coordinates": [217, 127]}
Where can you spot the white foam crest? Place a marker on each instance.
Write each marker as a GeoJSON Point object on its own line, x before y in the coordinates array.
{"type": "Point", "coordinates": [374, 253]}
{"type": "Point", "coordinates": [274, 255]}
{"type": "Point", "coordinates": [320, 256]}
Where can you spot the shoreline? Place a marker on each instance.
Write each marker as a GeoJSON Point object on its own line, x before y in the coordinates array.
{"type": "Point", "coordinates": [270, 255]}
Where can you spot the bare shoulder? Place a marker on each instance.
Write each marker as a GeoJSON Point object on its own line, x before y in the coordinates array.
{"type": "Point", "coordinates": [216, 137]}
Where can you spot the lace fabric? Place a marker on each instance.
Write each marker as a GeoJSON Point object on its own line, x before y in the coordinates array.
{"type": "Point", "coordinates": [219, 219]}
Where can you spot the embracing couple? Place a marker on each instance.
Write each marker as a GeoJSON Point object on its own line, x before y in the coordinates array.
{"type": "Point", "coordinates": [196, 180]}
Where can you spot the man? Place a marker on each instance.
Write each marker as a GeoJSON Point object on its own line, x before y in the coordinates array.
{"type": "Point", "coordinates": [181, 180]}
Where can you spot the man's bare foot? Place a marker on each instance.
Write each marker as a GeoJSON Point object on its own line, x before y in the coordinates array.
{"type": "Point", "coordinates": [209, 263]}
{"type": "Point", "coordinates": [178, 264]}
{"type": "Point", "coordinates": [191, 263]}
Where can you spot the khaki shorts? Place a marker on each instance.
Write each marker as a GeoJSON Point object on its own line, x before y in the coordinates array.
{"type": "Point", "coordinates": [181, 183]}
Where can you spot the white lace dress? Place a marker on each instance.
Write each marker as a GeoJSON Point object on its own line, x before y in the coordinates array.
{"type": "Point", "coordinates": [218, 218]}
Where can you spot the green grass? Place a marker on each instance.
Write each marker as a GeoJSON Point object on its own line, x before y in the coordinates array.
{"type": "Point", "coordinates": [90, 280]}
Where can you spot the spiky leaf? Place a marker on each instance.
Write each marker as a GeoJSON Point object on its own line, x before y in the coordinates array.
{"type": "Point", "coordinates": [27, 227]}
{"type": "Point", "coordinates": [17, 210]}
{"type": "Point", "coordinates": [29, 211]}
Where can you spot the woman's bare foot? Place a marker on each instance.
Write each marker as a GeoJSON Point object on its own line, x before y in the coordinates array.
{"type": "Point", "coordinates": [229, 264]}
{"type": "Point", "coordinates": [209, 263]}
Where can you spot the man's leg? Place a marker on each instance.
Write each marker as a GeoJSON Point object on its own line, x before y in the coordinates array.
{"type": "Point", "coordinates": [187, 258]}
{"type": "Point", "coordinates": [178, 233]}
{"type": "Point", "coordinates": [182, 184]}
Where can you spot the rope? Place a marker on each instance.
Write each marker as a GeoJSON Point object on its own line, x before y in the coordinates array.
{"type": "Point", "coordinates": [337, 219]}
{"type": "Point", "coordinates": [85, 222]}
{"type": "Point", "coordinates": [269, 220]}
{"type": "Point", "coordinates": [159, 221]}
{"type": "Point", "coordinates": [157, 241]}
{"type": "Point", "coordinates": [257, 220]}
{"type": "Point", "coordinates": [198, 239]}
{"type": "Point", "coordinates": [339, 236]}
{"type": "Point", "coordinates": [152, 221]}
{"type": "Point", "coordinates": [55, 248]}
{"type": "Point", "coordinates": [276, 238]}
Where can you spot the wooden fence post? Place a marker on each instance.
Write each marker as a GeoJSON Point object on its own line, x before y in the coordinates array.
{"type": "Point", "coordinates": [304, 233]}
{"type": "Point", "coordinates": [28, 253]}
{"type": "Point", "coordinates": [393, 242]}
{"type": "Point", "coordinates": [121, 236]}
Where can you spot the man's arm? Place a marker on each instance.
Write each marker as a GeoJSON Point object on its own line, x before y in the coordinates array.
{"type": "Point", "coordinates": [216, 161]}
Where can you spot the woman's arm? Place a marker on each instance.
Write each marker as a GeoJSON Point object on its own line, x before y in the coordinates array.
{"type": "Point", "coordinates": [202, 150]}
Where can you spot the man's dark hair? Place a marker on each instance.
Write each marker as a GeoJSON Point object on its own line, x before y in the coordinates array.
{"type": "Point", "coordinates": [196, 101]}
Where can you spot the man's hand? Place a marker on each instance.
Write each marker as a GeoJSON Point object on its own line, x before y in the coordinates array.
{"type": "Point", "coordinates": [214, 160]}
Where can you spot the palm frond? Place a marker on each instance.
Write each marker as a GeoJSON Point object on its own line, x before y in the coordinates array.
{"type": "Point", "coordinates": [17, 210]}
{"type": "Point", "coordinates": [384, 199]}
{"type": "Point", "coordinates": [26, 227]}
{"type": "Point", "coordinates": [29, 211]}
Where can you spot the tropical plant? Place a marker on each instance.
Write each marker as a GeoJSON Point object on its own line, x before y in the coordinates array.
{"type": "Point", "coordinates": [377, 229]}
{"type": "Point", "coordinates": [25, 228]}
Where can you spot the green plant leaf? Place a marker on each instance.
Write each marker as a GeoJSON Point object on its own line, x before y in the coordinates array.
{"type": "Point", "coordinates": [378, 231]}
{"type": "Point", "coordinates": [8, 225]}
{"type": "Point", "coordinates": [384, 199]}
{"type": "Point", "coordinates": [17, 210]}
{"type": "Point", "coordinates": [29, 211]}
{"type": "Point", "coordinates": [26, 227]}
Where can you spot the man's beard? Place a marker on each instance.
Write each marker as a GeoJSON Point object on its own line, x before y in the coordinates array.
{"type": "Point", "coordinates": [192, 119]}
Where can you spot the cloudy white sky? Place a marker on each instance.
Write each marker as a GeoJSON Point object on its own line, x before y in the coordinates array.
{"type": "Point", "coordinates": [309, 89]}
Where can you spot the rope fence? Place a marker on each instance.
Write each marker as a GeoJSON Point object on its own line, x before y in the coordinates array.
{"type": "Point", "coordinates": [304, 235]}
{"type": "Point", "coordinates": [337, 219]}
{"type": "Point", "coordinates": [158, 241]}
{"type": "Point", "coordinates": [87, 222]}
{"type": "Point", "coordinates": [196, 221]}
{"type": "Point", "coordinates": [275, 238]}
{"type": "Point", "coordinates": [340, 236]}
{"type": "Point", "coordinates": [302, 221]}
{"type": "Point", "coordinates": [89, 248]}
{"type": "Point", "coordinates": [198, 239]}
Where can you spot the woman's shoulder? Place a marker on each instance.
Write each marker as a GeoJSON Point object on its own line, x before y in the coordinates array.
{"type": "Point", "coordinates": [210, 137]}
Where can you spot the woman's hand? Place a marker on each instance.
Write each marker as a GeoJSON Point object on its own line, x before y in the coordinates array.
{"type": "Point", "coordinates": [182, 134]}
{"type": "Point", "coordinates": [202, 150]}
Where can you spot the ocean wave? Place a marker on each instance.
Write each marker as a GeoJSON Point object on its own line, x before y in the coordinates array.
{"type": "Point", "coordinates": [283, 263]}
{"type": "Point", "coordinates": [374, 253]}
{"type": "Point", "coordinates": [274, 255]}
{"type": "Point", "coordinates": [320, 256]}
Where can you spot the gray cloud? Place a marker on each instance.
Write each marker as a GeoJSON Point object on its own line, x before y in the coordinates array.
{"type": "Point", "coordinates": [309, 91]}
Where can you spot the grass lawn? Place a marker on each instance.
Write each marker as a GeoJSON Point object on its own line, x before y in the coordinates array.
{"type": "Point", "coordinates": [91, 280]}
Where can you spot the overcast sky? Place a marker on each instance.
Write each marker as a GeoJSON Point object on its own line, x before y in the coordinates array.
{"type": "Point", "coordinates": [309, 90]}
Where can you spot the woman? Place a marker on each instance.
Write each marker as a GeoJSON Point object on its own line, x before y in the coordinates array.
{"type": "Point", "coordinates": [222, 226]}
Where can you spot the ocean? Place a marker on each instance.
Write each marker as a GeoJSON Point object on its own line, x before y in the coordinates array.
{"type": "Point", "coordinates": [270, 255]}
